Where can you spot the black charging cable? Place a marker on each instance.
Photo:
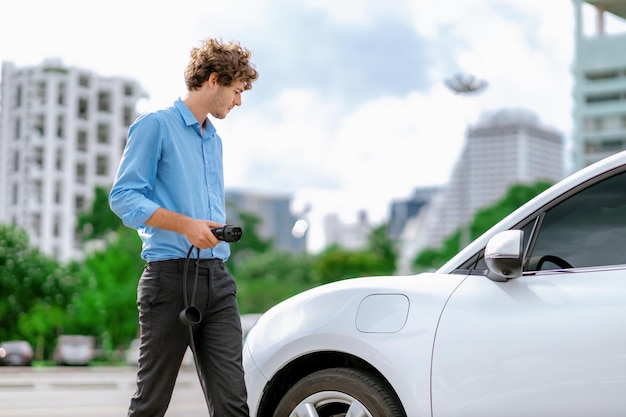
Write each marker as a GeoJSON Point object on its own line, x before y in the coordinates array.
{"type": "Point", "coordinates": [191, 315]}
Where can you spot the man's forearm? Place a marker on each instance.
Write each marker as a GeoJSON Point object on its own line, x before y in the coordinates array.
{"type": "Point", "coordinates": [170, 220]}
{"type": "Point", "coordinates": [198, 232]}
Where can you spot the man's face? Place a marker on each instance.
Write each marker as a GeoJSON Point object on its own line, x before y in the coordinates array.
{"type": "Point", "coordinates": [224, 98]}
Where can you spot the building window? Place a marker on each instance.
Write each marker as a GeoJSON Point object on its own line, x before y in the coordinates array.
{"type": "Point", "coordinates": [38, 156]}
{"type": "Point", "coordinates": [38, 191]}
{"type": "Point", "coordinates": [81, 173]}
{"type": "Point", "coordinates": [605, 146]}
{"type": "Point", "coordinates": [128, 116]}
{"type": "Point", "coordinates": [83, 108]}
{"type": "Point", "coordinates": [58, 192]}
{"type": "Point", "coordinates": [41, 92]}
{"type": "Point", "coordinates": [602, 98]}
{"type": "Point", "coordinates": [56, 231]}
{"type": "Point", "coordinates": [129, 91]}
{"type": "Point", "coordinates": [597, 124]}
{"type": "Point", "coordinates": [18, 128]}
{"type": "Point", "coordinates": [104, 101]}
{"type": "Point", "coordinates": [18, 96]}
{"type": "Point", "coordinates": [60, 126]}
{"type": "Point", "coordinates": [103, 133]}
{"type": "Point", "coordinates": [102, 165]}
{"type": "Point", "coordinates": [40, 125]}
{"type": "Point", "coordinates": [605, 75]}
{"type": "Point", "coordinates": [61, 96]}
{"type": "Point", "coordinates": [81, 141]}
{"type": "Point", "coordinates": [36, 224]}
{"type": "Point", "coordinates": [83, 80]}
{"type": "Point", "coordinates": [15, 194]}
{"type": "Point", "coordinates": [16, 161]}
{"type": "Point", "coordinates": [59, 159]}
{"type": "Point", "coordinates": [79, 203]}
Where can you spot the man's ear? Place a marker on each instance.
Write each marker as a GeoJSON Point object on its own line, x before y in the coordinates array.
{"type": "Point", "coordinates": [213, 79]}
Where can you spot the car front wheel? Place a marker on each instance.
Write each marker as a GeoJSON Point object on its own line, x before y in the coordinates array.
{"type": "Point", "coordinates": [339, 392]}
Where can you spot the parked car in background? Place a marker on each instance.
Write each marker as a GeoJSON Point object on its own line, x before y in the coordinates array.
{"type": "Point", "coordinates": [528, 320]}
{"type": "Point", "coordinates": [16, 353]}
{"type": "Point", "coordinates": [74, 350]}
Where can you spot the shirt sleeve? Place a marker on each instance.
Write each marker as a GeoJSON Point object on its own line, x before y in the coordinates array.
{"type": "Point", "coordinates": [134, 182]}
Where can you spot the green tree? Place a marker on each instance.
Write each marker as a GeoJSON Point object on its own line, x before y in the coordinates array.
{"type": "Point", "coordinates": [107, 305]}
{"type": "Point", "coordinates": [516, 196]}
{"type": "Point", "coordinates": [100, 220]}
{"type": "Point", "coordinates": [251, 242]}
{"type": "Point", "coordinates": [265, 279]}
{"type": "Point", "coordinates": [378, 258]}
{"type": "Point", "coordinates": [35, 289]}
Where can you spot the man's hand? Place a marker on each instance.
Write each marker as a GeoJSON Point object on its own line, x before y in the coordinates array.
{"type": "Point", "coordinates": [198, 232]}
{"type": "Point", "coordinates": [200, 235]}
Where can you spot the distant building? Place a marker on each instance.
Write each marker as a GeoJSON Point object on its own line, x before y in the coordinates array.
{"type": "Point", "coordinates": [62, 133]}
{"type": "Point", "coordinates": [503, 148]}
{"type": "Point", "coordinates": [274, 211]}
{"type": "Point", "coordinates": [350, 236]}
{"type": "Point", "coordinates": [599, 71]}
{"type": "Point", "coordinates": [401, 211]}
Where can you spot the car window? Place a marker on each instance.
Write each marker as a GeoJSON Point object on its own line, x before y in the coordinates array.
{"type": "Point", "coordinates": [586, 230]}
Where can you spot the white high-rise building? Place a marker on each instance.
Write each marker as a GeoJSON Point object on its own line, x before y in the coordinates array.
{"type": "Point", "coordinates": [599, 72]}
{"type": "Point", "coordinates": [502, 149]}
{"type": "Point", "coordinates": [62, 133]}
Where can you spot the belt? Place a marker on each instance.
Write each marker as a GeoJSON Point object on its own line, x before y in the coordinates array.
{"type": "Point", "coordinates": [179, 263]}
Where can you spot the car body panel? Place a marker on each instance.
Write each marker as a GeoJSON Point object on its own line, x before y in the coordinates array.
{"type": "Point", "coordinates": [299, 327]}
{"type": "Point", "coordinates": [520, 347]}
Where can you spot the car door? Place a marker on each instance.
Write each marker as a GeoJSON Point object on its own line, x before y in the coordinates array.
{"type": "Point", "coordinates": [553, 341]}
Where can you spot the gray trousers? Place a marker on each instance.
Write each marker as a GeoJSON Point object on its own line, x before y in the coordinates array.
{"type": "Point", "coordinates": [164, 338]}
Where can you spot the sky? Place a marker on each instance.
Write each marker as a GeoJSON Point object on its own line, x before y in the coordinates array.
{"type": "Point", "coordinates": [351, 111]}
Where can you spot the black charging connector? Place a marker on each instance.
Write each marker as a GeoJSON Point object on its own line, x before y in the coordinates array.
{"type": "Point", "coordinates": [228, 233]}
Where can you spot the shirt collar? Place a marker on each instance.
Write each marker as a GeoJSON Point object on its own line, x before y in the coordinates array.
{"type": "Point", "coordinates": [190, 119]}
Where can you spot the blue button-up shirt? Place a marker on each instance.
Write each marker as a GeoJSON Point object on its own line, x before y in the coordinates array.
{"type": "Point", "coordinates": [168, 162]}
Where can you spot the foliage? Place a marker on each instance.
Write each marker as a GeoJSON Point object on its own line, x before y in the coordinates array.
{"type": "Point", "coordinates": [337, 263]}
{"type": "Point", "coordinates": [106, 307]}
{"type": "Point", "coordinates": [265, 279]}
{"type": "Point", "coordinates": [516, 196]}
{"type": "Point", "coordinates": [100, 219]}
{"type": "Point", "coordinates": [35, 291]}
{"type": "Point", "coordinates": [251, 243]}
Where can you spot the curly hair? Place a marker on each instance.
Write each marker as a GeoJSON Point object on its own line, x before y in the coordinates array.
{"type": "Point", "coordinates": [229, 60]}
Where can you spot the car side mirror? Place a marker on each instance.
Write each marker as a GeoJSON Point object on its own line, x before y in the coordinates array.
{"type": "Point", "coordinates": [504, 255]}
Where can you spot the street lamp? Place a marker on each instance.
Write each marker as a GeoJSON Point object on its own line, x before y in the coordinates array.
{"type": "Point", "coordinates": [466, 85]}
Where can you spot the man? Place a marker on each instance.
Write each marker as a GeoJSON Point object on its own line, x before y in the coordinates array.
{"type": "Point", "coordinates": [170, 187]}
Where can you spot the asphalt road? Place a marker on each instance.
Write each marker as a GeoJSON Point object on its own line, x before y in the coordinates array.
{"type": "Point", "coordinates": [87, 392]}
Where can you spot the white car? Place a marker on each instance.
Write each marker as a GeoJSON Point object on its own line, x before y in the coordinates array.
{"type": "Point", "coordinates": [529, 320]}
{"type": "Point", "coordinates": [75, 350]}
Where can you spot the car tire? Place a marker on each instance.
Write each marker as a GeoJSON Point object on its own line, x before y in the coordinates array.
{"type": "Point", "coordinates": [339, 392]}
